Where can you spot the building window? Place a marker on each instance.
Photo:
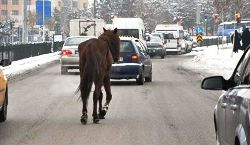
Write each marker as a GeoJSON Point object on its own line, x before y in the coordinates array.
{"type": "Point", "coordinates": [74, 4]}
{"type": "Point", "coordinates": [4, 2]}
{"type": "Point", "coordinates": [15, 2]}
{"type": "Point", "coordinates": [29, 2]}
{"type": "Point", "coordinates": [4, 12]}
{"type": "Point", "coordinates": [15, 12]}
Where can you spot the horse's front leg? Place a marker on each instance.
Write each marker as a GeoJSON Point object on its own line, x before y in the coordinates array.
{"type": "Point", "coordinates": [107, 88]}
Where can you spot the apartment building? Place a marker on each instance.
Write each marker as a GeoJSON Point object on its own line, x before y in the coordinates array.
{"type": "Point", "coordinates": [80, 4]}
{"type": "Point", "coordinates": [12, 10]}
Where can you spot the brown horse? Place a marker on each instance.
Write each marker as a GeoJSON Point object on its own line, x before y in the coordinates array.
{"type": "Point", "coordinates": [96, 57]}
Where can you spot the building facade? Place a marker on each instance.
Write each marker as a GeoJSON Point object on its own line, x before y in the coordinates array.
{"type": "Point", "coordinates": [12, 12]}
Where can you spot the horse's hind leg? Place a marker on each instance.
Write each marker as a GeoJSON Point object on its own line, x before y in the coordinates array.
{"type": "Point", "coordinates": [95, 101]}
{"type": "Point", "coordinates": [106, 84]}
{"type": "Point", "coordinates": [100, 106]}
{"type": "Point", "coordinates": [84, 117]}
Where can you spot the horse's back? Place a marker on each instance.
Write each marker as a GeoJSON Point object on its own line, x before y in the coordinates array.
{"type": "Point", "coordinates": [84, 45]}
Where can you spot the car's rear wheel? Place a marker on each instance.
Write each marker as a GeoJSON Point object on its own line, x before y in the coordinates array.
{"type": "Point", "coordinates": [140, 79]}
{"type": "Point", "coordinates": [3, 112]}
{"type": "Point", "coordinates": [162, 56]}
{"type": "Point", "coordinates": [64, 70]}
{"type": "Point", "coordinates": [149, 78]}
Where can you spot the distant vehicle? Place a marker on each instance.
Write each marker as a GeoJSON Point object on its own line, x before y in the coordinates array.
{"type": "Point", "coordinates": [159, 35]}
{"type": "Point", "coordinates": [227, 28]}
{"type": "Point", "coordinates": [91, 27]}
{"type": "Point", "coordinates": [3, 96]}
{"type": "Point", "coordinates": [189, 42]}
{"type": "Point", "coordinates": [69, 53]}
{"type": "Point", "coordinates": [156, 47]}
{"type": "Point", "coordinates": [130, 27]}
{"type": "Point", "coordinates": [173, 36]}
{"type": "Point", "coordinates": [232, 111]}
{"type": "Point", "coordinates": [134, 63]}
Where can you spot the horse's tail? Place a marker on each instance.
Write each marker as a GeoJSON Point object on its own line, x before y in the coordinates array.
{"type": "Point", "coordinates": [89, 73]}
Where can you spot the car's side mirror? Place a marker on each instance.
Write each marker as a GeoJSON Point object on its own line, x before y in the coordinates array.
{"type": "Point", "coordinates": [213, 83]}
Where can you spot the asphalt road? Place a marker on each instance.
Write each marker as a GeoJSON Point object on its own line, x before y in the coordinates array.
{"type": "Point", "coordinates": [172, 110]}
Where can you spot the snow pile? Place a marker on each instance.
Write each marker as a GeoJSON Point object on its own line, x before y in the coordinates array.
{"type": "Point", "coordinates": [211, 60]}
{"type": "Point", "coordinates": [27, 65]}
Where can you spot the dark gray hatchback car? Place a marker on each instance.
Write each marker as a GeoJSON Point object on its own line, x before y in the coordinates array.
{"type": "Point", "coordinates": [232, 112]}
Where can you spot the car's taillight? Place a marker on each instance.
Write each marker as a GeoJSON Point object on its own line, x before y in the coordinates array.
{"type": "Point", "coordinates": [160, 45]}
{"type": "Point", "coordinates": [135, 57]}
{"type": "Point", "coordinates": [66, 52]}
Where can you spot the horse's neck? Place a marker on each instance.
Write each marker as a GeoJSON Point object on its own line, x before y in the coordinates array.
{"type": "Point", "coordinates": [107, 41]}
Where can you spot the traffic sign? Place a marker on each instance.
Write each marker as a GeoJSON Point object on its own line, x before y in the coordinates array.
{"type": "Point", "coordinates": [198, 29]}
{"type": "Point", "coordinates": [199, 38]}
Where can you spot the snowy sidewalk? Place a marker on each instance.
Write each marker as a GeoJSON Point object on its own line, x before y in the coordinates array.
{"type": "Point", "coordinates": [213, 61]}
{"type": "Point", "coordinates": [27, 65]}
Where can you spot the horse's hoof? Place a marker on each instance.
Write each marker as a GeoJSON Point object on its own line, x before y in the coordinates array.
{"type": "Point", "coordinates": [96, 120]}
{"type": "Point", "coordinates": [102, 114]}
{"type": "Point", "coordinates": [84, 119]}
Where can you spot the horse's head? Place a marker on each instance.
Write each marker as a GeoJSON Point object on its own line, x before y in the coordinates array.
{"type": "Point", "coordinates": [114, 41]}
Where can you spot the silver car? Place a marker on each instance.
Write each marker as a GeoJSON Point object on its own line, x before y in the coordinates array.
{"type": "Point", "coordinates": [232, 112]}
{"type": "Point", "coordinates": [69, 53]}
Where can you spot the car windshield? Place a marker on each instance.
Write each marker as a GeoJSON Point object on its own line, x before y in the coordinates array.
{"type": "Point", "coordinates": [75, 41]}
{"type": "Point", "coordinates": [126, 46]}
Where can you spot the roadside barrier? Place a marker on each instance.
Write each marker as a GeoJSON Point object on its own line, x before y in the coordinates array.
{"type": "Point", "coordinates": [14, 52]}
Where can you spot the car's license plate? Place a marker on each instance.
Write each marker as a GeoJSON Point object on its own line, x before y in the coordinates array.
{"type": "Point", "coordinates": [121, 59]}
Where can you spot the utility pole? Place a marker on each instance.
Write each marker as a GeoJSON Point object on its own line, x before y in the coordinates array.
{"type": "Point", "coordinates": [94, 9]}
{"type": "Point", "coordinates": [43, 23]}
{"type": "Point", "coordinates": [24, 32]}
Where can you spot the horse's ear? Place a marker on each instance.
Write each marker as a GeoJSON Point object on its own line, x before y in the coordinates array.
{"type": "Point", "coordinates": [115, 30]}
{"type": "Point", "coordinates": [104, 29]}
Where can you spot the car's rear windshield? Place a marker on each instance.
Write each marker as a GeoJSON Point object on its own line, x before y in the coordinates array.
{"type": "Point", "coordinates": [75, 41]}
{"type": "Point", "coordinates": [126, 46]}
{"type": "Point", "coordinates": [168, 36]}
{"type": "Point", "coordinates": [153, 45]}
{"type": "Point", "coordinates": [128, 32]}
{"type": "Point", "coordinates": [155, 39]}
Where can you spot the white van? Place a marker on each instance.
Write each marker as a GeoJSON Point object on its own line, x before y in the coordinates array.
{"type": "Point", "coordinates": [130, 27]}
{"type": "Point", "coordinates": [174, 37]}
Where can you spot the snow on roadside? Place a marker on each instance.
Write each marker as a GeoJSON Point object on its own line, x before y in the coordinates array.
{"type": "Point", "coordinates": [26, 65]}
{"type": "Point", "coordinates": [213, 61]}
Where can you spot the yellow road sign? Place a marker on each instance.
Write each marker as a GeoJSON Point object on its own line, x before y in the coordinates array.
{"type": "Point", "coordinates": [199, 38]}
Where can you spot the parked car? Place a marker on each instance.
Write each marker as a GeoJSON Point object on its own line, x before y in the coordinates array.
{"type": "Point", "coordinates": [69, 53]}
{"type": "Point", "coordinates": [3, 96]}
{"type": "Point", "coordinates": [232, 111]}
{"type": "Point", "coordinates": [156, 47]}
{"type": "Point", "coordinates": [134, 63]}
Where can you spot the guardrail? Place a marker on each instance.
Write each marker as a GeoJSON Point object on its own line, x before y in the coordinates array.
{"type": "Point", "coordinates": [217, 40]}
{"type": "Point", "coordinates": [9, 53]}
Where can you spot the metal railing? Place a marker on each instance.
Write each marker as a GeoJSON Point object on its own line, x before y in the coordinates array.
{"type": "Point", "coordinates": [215, 41]}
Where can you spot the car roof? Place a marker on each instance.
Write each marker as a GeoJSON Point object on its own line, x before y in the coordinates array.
{"type": "Point", "coordinates": [81, 37]}
{"type": "Point", "coordinates": [127, 38]}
